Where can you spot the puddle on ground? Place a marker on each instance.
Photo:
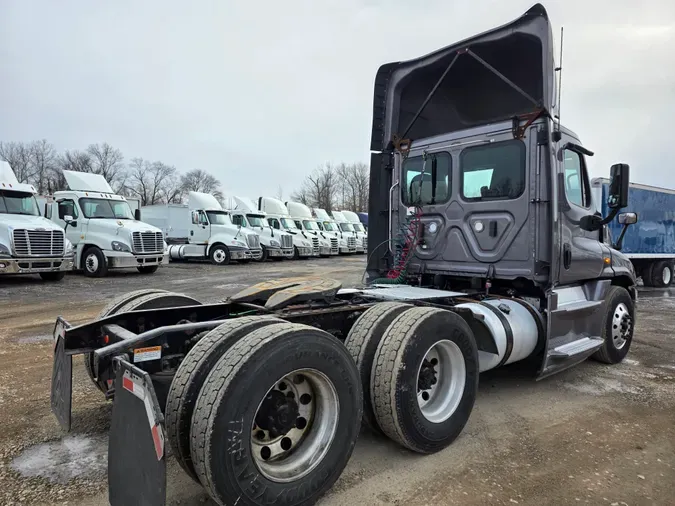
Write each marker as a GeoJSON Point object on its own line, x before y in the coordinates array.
{"type": "Point", "coordinates": [35, 339]}
{"type": "Point", "coordinates": [66, 459]}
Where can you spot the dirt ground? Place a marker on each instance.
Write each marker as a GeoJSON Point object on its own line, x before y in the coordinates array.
{"type": "Point", "coordinates": [594, 434]}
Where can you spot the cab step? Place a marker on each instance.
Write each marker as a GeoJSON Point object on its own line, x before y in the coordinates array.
{"type": "Point", "coordinates": [576, 347]}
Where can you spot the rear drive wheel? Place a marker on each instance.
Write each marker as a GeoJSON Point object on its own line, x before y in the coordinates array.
{"type": "Point", "coordinates": [362, 342]}
{"type": "Point", "coordinates": [148, 269]}
{"type": "Point", "coordinates": [219, 254]}
{"type": "Point", "coordinates": [191, 375]}
{"type": "Point", "coordinates": [662, 274]}
{"type": "Point", "coordinates": [94, 263]}
{"type": "Point", "coordinates": [265, 254]}
{"type": "Point", "coordinates": [53, 276]}
{"type": "Point", "coordinates": [425, 378]}
{"type": "Point", "coordinates": [617, 331]}
{"type": "Point", "coordinates": [277, 418]}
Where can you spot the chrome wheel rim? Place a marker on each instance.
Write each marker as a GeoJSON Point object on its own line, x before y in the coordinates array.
{"type": "Point", "coordinates": [91, 263]}
{"type": "Point", "coordinates": [666, 275]}
{"type": "Point", "coordinates": [219, 255]}
{"type": "Point", "coordinates": [441, 378]}
{"type": "Point", "coordinates": [622, 323]}
{"type": "Point", "coordinates": [294, 425]}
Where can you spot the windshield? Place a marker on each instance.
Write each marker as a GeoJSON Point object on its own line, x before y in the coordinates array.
{"type": "Point", "coordinates": [218, 218]}
{"type": "Point", "coordinates": [346, 227]}
{"type": "Point", "coordinates": [106, 208]}
{"type": "Point", "coordinates": [255, 221]}
{"type": "Point", "coordinates": [12, 202]}
{"type": "Point", "coordinates": [329, 227]}
{"type": "Point", "coordinates": [289, 223]}
{"type": "Point", "coordinates": [358, 227]}
{"type": "Point", "coordinates": [310, 225]}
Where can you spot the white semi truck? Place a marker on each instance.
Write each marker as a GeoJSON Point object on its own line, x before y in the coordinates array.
{"type": "Point", "coordinates": [280, 219]}
{"type": "Point", "coordinates": [202, 229]}
{"type": "Point", "coordinates": [105, 232]}
{"type": "Point", "coordinates": [348, 229]}
{"type": "Point", "coordinates": [276, 244]}
{"type": "Point", "coordinates": [302, 216]}
{"type": "Point", "coordinates": [361, 234]}
{"type": "Point", "coordinates": [29, 243]}
{"type": "Point", "coordinates": [346, 242]}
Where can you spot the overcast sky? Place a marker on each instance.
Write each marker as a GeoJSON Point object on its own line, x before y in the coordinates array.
{"type": "Point", "coordinates": [259, 93]}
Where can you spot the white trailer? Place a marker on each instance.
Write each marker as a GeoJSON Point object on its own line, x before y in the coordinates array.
{"type": "Point", "coordinates": [361, 234]}
{"type": "Point", "coordinates": [29, 243]}
{"type": "Point", "coordinates": [346, 242]}
{"type": "Point", "coordinates": [105, 232]}
{"type": "Point", "coordinates": [302, 216]}
{"type": "Point", "coordinates": [202, 229]}
{"type": "Point", "coordinates": [280, 219]}
{"type": "Point", "coordinates": [275, 244]}
{"type": "Point", "coordinates": [348, 229]}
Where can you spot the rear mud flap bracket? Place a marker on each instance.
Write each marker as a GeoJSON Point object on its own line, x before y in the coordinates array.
{"type": "Point", "coordinates": [136, 454]}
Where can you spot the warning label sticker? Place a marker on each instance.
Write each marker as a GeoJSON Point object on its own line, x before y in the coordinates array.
{"type": "Point", "coordinates": [145, 354]}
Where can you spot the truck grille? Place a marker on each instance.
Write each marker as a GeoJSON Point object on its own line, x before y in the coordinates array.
{"type": "Point", "coordinates": [351, 242]}
{"type": "Point", "coordinates": [333, 244]}
{"type": "Point", "coordinates": [37, 243]}
{"type": "Point", "coordinates": [286, 241]}
{"type": "Point", "coordinates": [315, 245]}
{"type": "Point", "coordinates": [253, 241]}
{"type": "Point", "coordinates": [365, 243]}
{"type": "Point", "coordinates": [148, 242]}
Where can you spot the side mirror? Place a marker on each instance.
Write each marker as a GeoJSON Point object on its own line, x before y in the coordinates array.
{"type": "Point", "coordinates": [627, 218]}
{"type": "Point", "coordinates": [137, 214]}
{"type": "Point", "coordinates": [48, 211]}
{"type": "Point", "coordinates": [195, 218]}
{"type": "Point", "coordinates": [618, 186]}
{"type": "Point", "coordinates": [69, 221]}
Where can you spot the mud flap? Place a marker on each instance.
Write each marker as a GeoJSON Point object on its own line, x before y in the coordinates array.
{"type": "Point", "coordinates": [62, 377]}
{"type": "Point", "coordinates": [136, 460]}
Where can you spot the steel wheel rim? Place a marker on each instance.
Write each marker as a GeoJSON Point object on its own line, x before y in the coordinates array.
{"type": "Point", "coordinates": [219, 256]}
{"type": "Point", "coordinates": [91, 262]}
{"type": "Point", "coordinates": [621, 325]}
{"type": "Point", "coordinates": [666, 275]}
{"type": "Point", "coordinates": [291, 456]}
{"type": "Point", "coordinates": [440, 400]}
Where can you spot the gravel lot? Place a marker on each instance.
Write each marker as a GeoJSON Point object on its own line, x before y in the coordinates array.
{"type": "Point", "coordinates": [592, 435]}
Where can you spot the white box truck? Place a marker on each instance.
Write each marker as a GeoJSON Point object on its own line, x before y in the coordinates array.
{"type": "Point", "coordinates": [202, 229]}
{"type": "Point", "coordinates": [348, 229]}
{"type": "Point", "coordinates": [29, 243]}
{"type": "Point", "coordinates": [346, 242]}
{"type": "Point", "coordinates": [280, 219]}
{"type": "Point", "coordinates": [302, 216]}
{"type": "Point", "coordinates": [105, 232]}
{"type": "Point", "coordinates": [276, 244]}
{"type": "Point", "coordinates": [361, 234]}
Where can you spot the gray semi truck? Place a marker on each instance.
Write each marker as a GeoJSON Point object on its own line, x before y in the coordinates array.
{"type": "Point", "coordinates": [484, 250]}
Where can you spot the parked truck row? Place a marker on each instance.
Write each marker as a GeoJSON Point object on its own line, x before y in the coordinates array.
{"type": "Point", "coordinates": [90, 228]}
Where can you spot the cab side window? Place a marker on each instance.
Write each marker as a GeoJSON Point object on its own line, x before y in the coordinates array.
{"type": "Point", "coordinates": [237, 220]}
{"type": "Point", "coordinates": [577, 187]}
{"type": "Point", "coordinates": [274, 223]}
{"type": "Point", "coordinates": [67, 208]}
{"type": "Point", "coordinates": [298, 224]}
{"type": "Point", "coordinates": [203, 220]}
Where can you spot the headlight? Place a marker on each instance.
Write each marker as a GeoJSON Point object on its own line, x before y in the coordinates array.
{"type": "Point", "coordinates": [120, 246]}
{"type": "Point", "coordinates": [275, 243]}
{"type": "Point", "coordinates": [4, 251]}
{"type": "Point", "coordinates": [69, 248]}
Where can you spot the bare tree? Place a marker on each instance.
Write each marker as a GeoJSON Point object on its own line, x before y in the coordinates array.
{"type": "Point", "coordinates": [45, 171]}
{"type": "Point", "coordinates": [280, 193]}
{"type": "Point", "coordinates": [108, 162]}
{"type": "Point", "coordinates": [152, 182]}
{"type": "Point", "coordinates": [353, 183]}
{"type": "Point", "coordinates": [198, 180]}
{"type": "Point", "coordinates": [20, 158]}
{"type": "Point", "coordinates": [75, 160]}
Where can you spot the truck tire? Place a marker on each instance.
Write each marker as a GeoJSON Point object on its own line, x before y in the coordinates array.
{"type": "Point", "coordinates": [53, 276]}
{"type": "Point", "coordinates": [617, 332]}
{"type": "Point", "coordinates": [278, 417]}
{"type": "Point", "coordinates": [362, 342]}
{"type": "Point", "coordinates": [148, 269]}
{"type": "Point", "coordinates": [647, 275]}
{"type": "Point", "coordinates": [188, 381]}
{"type": "Point", "coordinates": [94, 263]}
{"type": "Point", "coordinates": [265, 254]}
{"type": "Point", "coordinates": [662, 274]}
{"type": "Point", "coordinates": [111, 308]}
{"type": "Point", "coordinates": [219, 254]}
{"type": "Point", "coordinates": [425, 378]}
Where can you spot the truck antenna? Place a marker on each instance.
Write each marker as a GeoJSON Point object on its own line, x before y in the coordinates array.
{"type": "Point", "coordinates": [559, 70]}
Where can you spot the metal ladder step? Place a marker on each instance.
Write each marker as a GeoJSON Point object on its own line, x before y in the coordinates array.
{"type": "Point", "coordinates": [576, 347]}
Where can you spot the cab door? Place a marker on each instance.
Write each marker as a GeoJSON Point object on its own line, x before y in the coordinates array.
{"type": "Point", "coordinates": [76, 229]}
{"type": "Point", "coordinates": [201, 229]}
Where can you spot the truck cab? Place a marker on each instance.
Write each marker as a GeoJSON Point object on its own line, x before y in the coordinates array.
{"type": "Point", "coordinates": [361, 234]}
{"type": "Point", "coordinates": [29, 243]}
{"type": "Point", "coordinates": [347, 228]}
{"type": "Point", "coordinates": [103, 229]}
{"type": "Point", "coordinates": [275, 243]}
{"type": "Point", "coordinates": [302, 215]}
{"type": "Point", "coordinates": [331, 229]}
{"type": "Point", "coordinates": [280, 219]}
